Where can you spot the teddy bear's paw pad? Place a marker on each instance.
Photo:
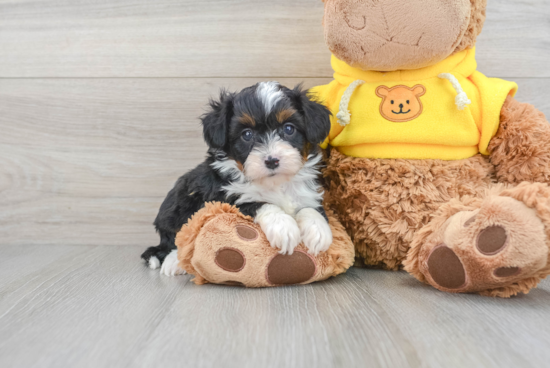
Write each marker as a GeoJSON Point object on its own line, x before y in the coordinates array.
{"type": "Point", "coordinates": [230, 259]}
{"type": "Point", "coordinates": [296, 268]}
{"type": "Point", "coordinates": [492, 240]}
{"type": "Point", "coordinates": [445, 268]}
{"type": "Point", "coordinates": [246, 233]}
{"type": "Point", "coordinates": [233, 283]}
{"type": "Point", "coordinates": [507, 271]}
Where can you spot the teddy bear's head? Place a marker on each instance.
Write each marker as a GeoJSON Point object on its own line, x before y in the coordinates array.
{"type": "Point", "coordinates": [389, 35]}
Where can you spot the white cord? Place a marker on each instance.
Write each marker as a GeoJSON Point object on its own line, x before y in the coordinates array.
{"type": "Point", "coordinates": [461, 99]}
{"type": "Point", "coordinates": [344, 115]}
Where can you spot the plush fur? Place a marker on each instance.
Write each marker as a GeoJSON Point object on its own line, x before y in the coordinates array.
{"type": "Point", "coordinates": [477, 19]}
{"type": "Point", "coordinates": [388, 35]}
{"type": "Point", "coordinates": [533, 237]}
{"type": "Point", "coordinates": [384, 203]}
{"type": "Point", "coordinates": [263, 157]}
{"type": "Point", "coordinates": [399, 212]}
{"type": "Point", "coordinates": [520, 151]}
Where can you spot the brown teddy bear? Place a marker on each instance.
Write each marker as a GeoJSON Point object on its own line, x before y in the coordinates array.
{"type": "Point", "coordinates": [433, 167]}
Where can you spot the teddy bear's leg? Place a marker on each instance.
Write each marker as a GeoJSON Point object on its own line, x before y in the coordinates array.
{"type": "Point", "coordinates": [384, 203]}
{"type": "Point", "coordinates": [520, 151]}
{"type": "Point", "coordinates": [495, 245]}
{"type": "Point", "coordinates": [222, 246]}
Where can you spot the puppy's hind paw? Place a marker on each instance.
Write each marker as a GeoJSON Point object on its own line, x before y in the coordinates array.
{"type": "Point", "coordinates": [170, 266]}
{"type": "Point", "coordinates": [153, 263]}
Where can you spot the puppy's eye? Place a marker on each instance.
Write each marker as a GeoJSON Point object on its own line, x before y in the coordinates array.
{"type": "Point", "coordinates": [392, 102]}
{"type": "Point", "coordinates": [289, 129]}
{"type": "Point", "coordinates": [247, 135]}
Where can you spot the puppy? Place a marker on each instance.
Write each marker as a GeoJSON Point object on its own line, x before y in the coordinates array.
{"type": "Point", "coordinates": [264, 158]}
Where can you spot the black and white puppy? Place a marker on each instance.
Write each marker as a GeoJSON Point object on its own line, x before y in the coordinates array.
{"type": "Point", "coordinates": [264, 158]}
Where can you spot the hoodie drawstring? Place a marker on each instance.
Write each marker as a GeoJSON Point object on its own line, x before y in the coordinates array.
{"type": "Point", "coordinates": [344, 115]}
{"type": "Point", "coordinates": [461, 99]}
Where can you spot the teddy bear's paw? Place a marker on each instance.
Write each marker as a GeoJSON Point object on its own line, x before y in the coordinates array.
{"type": "Point", "coordinates": [170, 266]}
{"type": "Point", "coordinates": [280, 229]}
{"type": "Point", "coordinates": [495, 246]}
{"type": "Point", "coordinates": [232, 250]}
{"type": "Point", "coordinates": [315, 232]}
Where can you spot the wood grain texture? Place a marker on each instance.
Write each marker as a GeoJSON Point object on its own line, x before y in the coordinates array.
{"type": "Point", "coordinates": [88, 161]}
{"type": "Point", "coordinates": [99, 306]}
{"type": "Point", "coordinates": [216, 38]}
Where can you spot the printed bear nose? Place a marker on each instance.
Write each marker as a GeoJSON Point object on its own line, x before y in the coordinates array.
{"type": "Point", "coordinates": [400, 106]}
{"type": "Point", "coordinates": [272, 163]}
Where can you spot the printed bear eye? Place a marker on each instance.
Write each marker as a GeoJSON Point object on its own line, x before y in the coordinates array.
{"type": "Point", "coordinates": [289, 129]}
{"type": "Point", "coordinates": [247, 135]}
{"type": "Point", "coordinates": [392, 102]}
{"type": "Point", "coordinates": [407, 102]}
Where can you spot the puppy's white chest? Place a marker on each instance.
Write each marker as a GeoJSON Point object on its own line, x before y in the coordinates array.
{"type": "Point", "coordinates": [300, 191]}
{"type": "Point", "coordinates": [285, 200]}
{"type": "Point", "coordinates": [293, 196]}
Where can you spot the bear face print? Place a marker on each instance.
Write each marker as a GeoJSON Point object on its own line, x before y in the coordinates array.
{"type": "Point", "coordinates": [401, 103]}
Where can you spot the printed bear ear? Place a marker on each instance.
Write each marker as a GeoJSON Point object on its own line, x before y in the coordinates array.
{"type": "Point", "coordinates": [419, 90]}
{"type": "Point", "coordinates": [382, 91]}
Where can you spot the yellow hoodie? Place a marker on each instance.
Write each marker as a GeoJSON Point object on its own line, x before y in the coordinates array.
{"type": "Point", "coordinates": [447, 111]}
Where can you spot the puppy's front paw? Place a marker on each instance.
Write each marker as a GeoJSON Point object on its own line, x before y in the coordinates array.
{"type": "Point", "coordinates": [170, 266]}
{"type": "Point", "coordinates": [314, 229]}
{"type": "Point", "coordinates": [280, 228]}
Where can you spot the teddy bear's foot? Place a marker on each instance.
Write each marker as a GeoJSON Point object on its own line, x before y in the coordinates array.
{"type": "Point", "coordinates": [220, 245]}
{"type": "Point", "coordinates": [499, 248]}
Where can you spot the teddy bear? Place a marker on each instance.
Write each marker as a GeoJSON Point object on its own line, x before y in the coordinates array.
{"type": "Point", "coordinates": [431, 166]}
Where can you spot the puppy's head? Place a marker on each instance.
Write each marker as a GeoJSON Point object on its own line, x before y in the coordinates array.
{"type": "Point", "coordinates": [266, 131]}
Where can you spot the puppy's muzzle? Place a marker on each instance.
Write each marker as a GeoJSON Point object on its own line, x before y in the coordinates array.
{"type": "Point", "coordinates": [272, 163]}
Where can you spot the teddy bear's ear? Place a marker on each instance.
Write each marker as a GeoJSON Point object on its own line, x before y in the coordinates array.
{"type": "Point", "coordinates": [419, 90]}
{"type": "Point", "coordinates": [382, 91]}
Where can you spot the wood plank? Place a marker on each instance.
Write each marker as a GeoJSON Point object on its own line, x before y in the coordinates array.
{"type": "Point", "coordinates": [460, 330]}
{"type": "Point", "coordinates": [22, 269]}
{"type": "Point", "coordinates": [91, 311]}
{"type": "Point", "coordinates": [209, 38]}
{"type": "Point", "coordinates": [365, 317]}
{"type": "Point", "coordinates": [166, 38]}
{"type": "Point", "coordinates": [515, 41]}
{"type": "Point", "coordinates": [106, 309]}
{"type": "Point", "coordinates": [88, 161]}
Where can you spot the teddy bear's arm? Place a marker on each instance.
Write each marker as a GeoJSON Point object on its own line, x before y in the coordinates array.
{"type": "Point", "coordinates": [520, 151]}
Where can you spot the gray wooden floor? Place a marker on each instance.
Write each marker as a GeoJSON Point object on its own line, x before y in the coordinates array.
{"type": "Point", "coordinates": [96, 306]}
{"type": "Point", "coordinates": [98, 116]}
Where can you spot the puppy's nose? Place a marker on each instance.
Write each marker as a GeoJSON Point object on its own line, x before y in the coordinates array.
{"type": "Point", "coordinates": [272, 163]}
{"type": "Point", "coordinates": [400, 106]}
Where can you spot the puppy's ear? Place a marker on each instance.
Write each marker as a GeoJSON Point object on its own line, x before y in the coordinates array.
{"type": "Point", "coordinates": [316, 115]}
{"type": "Point", "coordinates": [216, 121]}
